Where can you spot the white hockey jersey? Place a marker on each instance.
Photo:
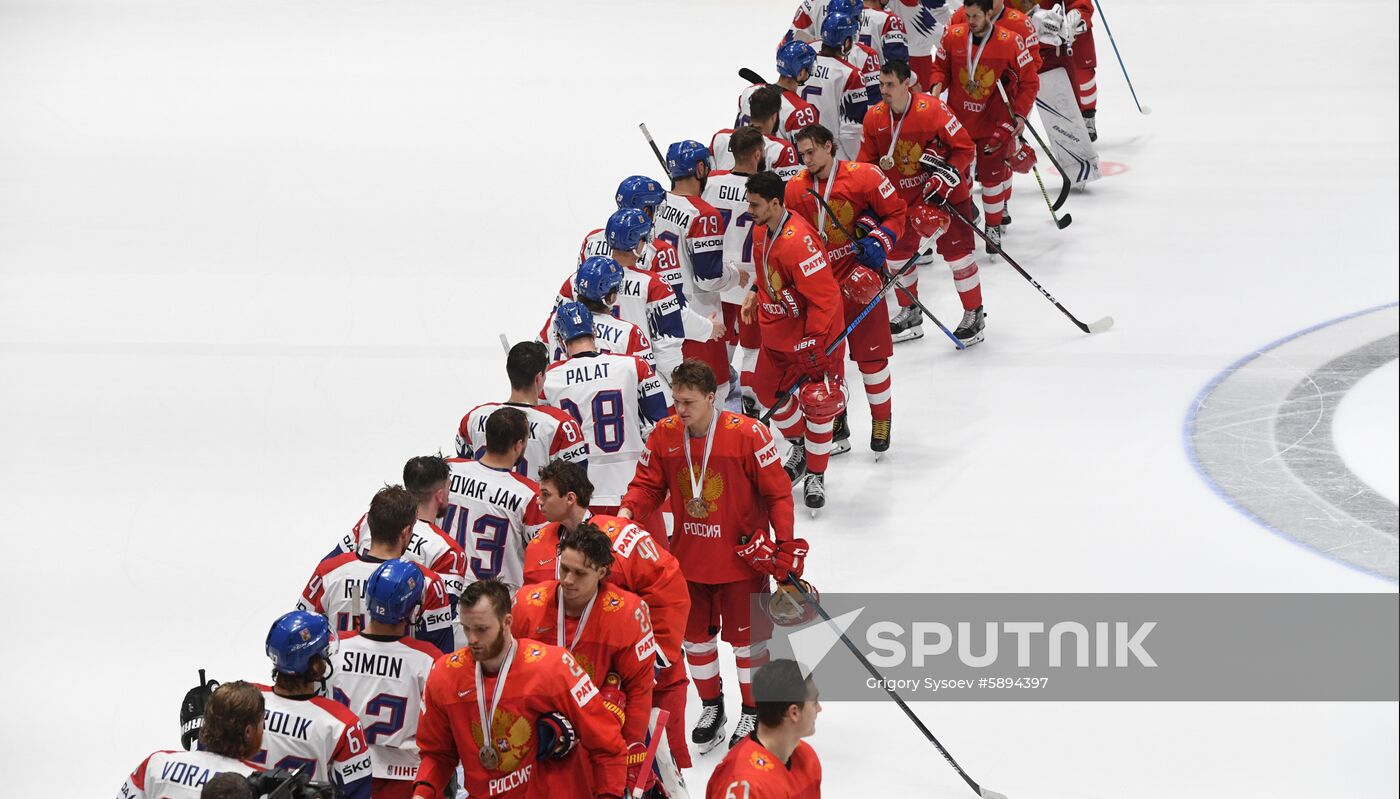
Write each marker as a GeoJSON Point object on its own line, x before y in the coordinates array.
{"type": "Point", "coordinates": [883, 32]}
{"type": "Point", "coordinates": [658, 258]}
{"type": "Point", "coordinates": [610, 334]}
{"type": "Point", "coordinates": [727, 192]}
{"type": "Point", "coordinates": [429, 546]}
{"type": "Point", "coordinates": [696, 229]}
{"type": "Point", "coordinates": [493, 514]}
{"type": "Point", "coordinates": [176, 774]}
{"type": "Point", "coordinates": [794, 114]}
{"type": "Point", "coordinates": [553, 435]}
{"type": "Point", "coordinates": [924, 22]}
{"type": "Point", "coordinates": [381, 680]}
{"type": "Point", "coordinates": [645, 300]}
{"type": "Point", "coordinates": [336, 590]}
{"type": "Point", "coordinates": [319, 732]}
{"type": "Point", "coordinates": [617, 399]}
{"type": "Point", "coordinates": [779, 156]}
{"type": "Point", "coordinates": [839, 92]}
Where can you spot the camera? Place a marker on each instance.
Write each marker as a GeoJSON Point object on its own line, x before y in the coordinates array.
{"type": "Point", "coordinates": [280, 783]}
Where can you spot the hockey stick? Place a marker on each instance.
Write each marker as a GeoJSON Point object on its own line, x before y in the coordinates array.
{"type": "Point", "coordinates": [957, 342]}
{"type": "Point", "coordinates": [1142, 109]}
{"type": "Point", "coordinates": [660, 159]}
{"type": "Point", "coordinates": [752, 77]}
{"type": "Point", "coordinates": [985, 793]}
{"type": "Point", "coordinates": [1065, 183]}
{"type": "Point", "coordinates": [659, 720]}
{"type": "Point", "coordinates": [505, 343]}
{"type": "Point", "coordinates": [1094, 327]}
{"type": "Point", "coordinates": [854, 323]}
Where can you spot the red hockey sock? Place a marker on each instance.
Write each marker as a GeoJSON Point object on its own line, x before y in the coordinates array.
{"type": "Point", "coordinates": [748, 659]}
{"type": "Point", "coordinates": [994, 197]}
{"type": "Point", "coordinates": [818, 439]}
{"type": "Point", "coordinates": [967, 282]}
{"type": "Point", "coordinates": [703, 660]}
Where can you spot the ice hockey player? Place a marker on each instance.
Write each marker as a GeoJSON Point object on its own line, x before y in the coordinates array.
{"type": "Point", "coordinates": [798, 308]}
{"type": "Point", "coordinates": [336, 589]}
{"type": "Point", "coordinates": [616, 398]}
{"type": "Point", "coordinates": [492, 509]}
{"type": "Point", "coordinates": [865, 202]}
{"type": "Point", "coordinates": [883, 32]}
{"type": "Point", "coordinates": [640, 565]}
{"type": "Point", "coordinates": [425, 477]}
{"type": "Point", "coordinates": [777, 154]}
{"type": "Point", "coordinates": [554, 434]}
{"type": "Point", "coordinates": [502, 704]}
{"type": "Point", "coordinates": [924, 24]}
{"type": "Point", "coordinates": [901, 131]}
{"type": "Point", "coordinates": [643, 298]}
{"type": "Point", "coordinates": [723, 477]}
{"type": "Point", "coordinates": [230, 737]}
{"type": "Point", "coordinates": [606, 628]}
{"type": "Point", "coordinates": [1014, 18]}
{"type": "Point", "coordinates": [596, 283]}
{"type": "Point", "coordinates": [795, 61]}
{"type": "Point", "coordinates": [696, 229]}
{"type": "Point", "coordinates": [726, 192]}
{"type": "Point", "coordinates": [304, 727]}
{"type": "Point", "coordinates": [840, 91]}
{"type": "Point", "coordinates": [774, 762]}
{"type": "Point", "coordinates": [380, 673]}
{"type": "Point", "coordinates": [1065, 31]}
{"type": "Point", "coordinates": [974, 58]}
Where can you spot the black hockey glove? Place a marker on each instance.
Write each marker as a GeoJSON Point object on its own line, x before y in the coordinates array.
{"type": "Point", "coordinates": [192, 710]}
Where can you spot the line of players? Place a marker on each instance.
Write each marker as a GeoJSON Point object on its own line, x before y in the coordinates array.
{"type": "Point", "coordinates": [665, 296]}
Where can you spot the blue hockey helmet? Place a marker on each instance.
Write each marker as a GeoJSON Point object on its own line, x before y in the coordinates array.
{"type": "Point", "coordinates": [598, 276]}
{"type": "Point", "coordinates": [640, 192]}
{"type": "Point", "coordinates": [573, 320]}
{"type": "Point", "coordinates": [684, 157]}
{"type": "Point", "coordinates": [394, 591]}
{"type": "Point", "coordinates": [795, 56]}
{"type": "Point", "coordinates": [852, 7]}
{"type": "Point", "coordinates": [627, 228]}
{"type": "Point", "coordinates": [837, 28]}
{"type": "Point", "coordinates": [297, 638]}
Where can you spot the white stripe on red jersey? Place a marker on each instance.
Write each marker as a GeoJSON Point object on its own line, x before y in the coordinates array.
{"type": "Point", "coordinates": [319, 732]}
{"type": "Point", "coordinates": [794, 114]}
{"type": "Point", "coordinates": [175, 774]}
{"type": "Point", "coordinates": [617, 399]}
{"type": "Point", "coordinates": [553, 435]}
{"type": "Point", "coordinates": [492, 513]}
{"type": "Point", "coordinates": [382, 682]}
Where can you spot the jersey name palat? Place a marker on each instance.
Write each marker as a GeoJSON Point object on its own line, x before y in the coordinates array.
{"type": "Point", "coordinates": [670, 213]}
{"type": "Point", "coordinates": [281, 723]}
{"type": "Point", "coordinates": [475, 489]}
{"type": "Point", "coordinates": [585, 372]}
{"type": "Point", "coordinates": [372, 663]}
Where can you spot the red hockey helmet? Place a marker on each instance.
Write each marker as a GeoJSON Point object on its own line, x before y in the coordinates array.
{"type": "Point", "coordinates": [787, 607]}
{"type": "Point", "coordinates": [822, 399]}
{"type": "Point", "coordinates": [929, 221]}
{"type": "Point", "coordinates": [861, 286]}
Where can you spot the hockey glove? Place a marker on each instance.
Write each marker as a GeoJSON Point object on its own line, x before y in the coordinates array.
{"type": "Point", "coordinates": [1049, 25]}
{"type": "Point", "coordinates": [791, 558]}
{"type": "Point", "coordinates": [860, 286]}
{"type": "Point", "coordinates": [556, 736]}
{"type": "Point", "coordinates": [870, 251]}
{"type": "Point", "coordinates": [758, 552]}
{"type": "Point", "coordinates": [612, 697]}
{"type": "Point", "coordinates": [636, 757]}
{"type": "Point", "coordinates": [943, 179]}
{"type": "Point", "coordinates": [1000, 139]}
{"type": "Point", "coordinates": [868, 226]}
{"type": "Point", "coordinates": [192, 710]}
{"type": "Point", "coordinates": [1073, 26]}
{"type": "Point", "coordinates": [811, 358]}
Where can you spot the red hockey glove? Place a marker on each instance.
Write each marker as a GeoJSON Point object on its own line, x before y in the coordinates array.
{"type": "Point", "coordinates": [811, 357]}
{"type": "Point", "coordinates": [612, 697]}
{"type": "Point", "coordinates": [556, 736]}
{"type": "Point", "coordinates": [758, 552]}
{"type": "Point", "coordinates": [791, 558]}
{"type": "Point", "coordinates": [1001, 138]}
{"type": "Point", "coordinates": [861, 286]}
{"type": "Point", "coordinates": [943, 179]}
{"type": "Point", "coordinates": [636, 756]}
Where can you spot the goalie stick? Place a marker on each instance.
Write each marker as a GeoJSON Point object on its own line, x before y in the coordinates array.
{"type": "Point", "coordinates": [1065, 182]}
{"type": "Point", "coordinates": [1093, 327]}
{"type": "Point", "coordinates": [985, 793]}
{"type": "Point", "coordinates": [957, 342]}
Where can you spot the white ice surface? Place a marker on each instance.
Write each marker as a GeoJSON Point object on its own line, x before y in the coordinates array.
{"type": "Point", "coordinates": [1367, 430]}
{"type": "Point", "coordinates": [255, 254]}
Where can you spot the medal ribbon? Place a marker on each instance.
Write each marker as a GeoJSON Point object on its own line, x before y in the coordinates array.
{"type": "Point", "coordinates": [826, 197]}
{"type": "Point", "coordinates": [773, 234]}
{"type": "Point", "coordinates": [971, 64]}
{"type": "Point", "coordinates": [894, 140]}
{"type": "Point", "coordinates": [582, 620]}
{"type": "Point", "coordinates": [495, 696]}
{"type": "Point", "coordinates": [698, 486]}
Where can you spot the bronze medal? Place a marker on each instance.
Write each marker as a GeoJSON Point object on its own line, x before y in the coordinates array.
{"type": "Point", "coordinates": [971, 87]}
{"type": "Point", "coordinates": [886, 163]}
{"type": "Point", "coordinates": [697, 508]}
{"type": "Point", "coordinates": [490, 758]}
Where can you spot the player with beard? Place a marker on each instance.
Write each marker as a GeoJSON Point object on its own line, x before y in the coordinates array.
{"type": "Point", "coordinates": [503, 704]}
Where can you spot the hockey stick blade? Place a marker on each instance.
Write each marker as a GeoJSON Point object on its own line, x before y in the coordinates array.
{"type": "Point", "coordinates": [990, 794]}
{"type": "Point", "coordinates": [752, 77]}
{"type": "Point", "coordinates": [505, 343]}
{"type": "Point", "coordinates": [1063, 221]}
{"type": "Point", "coordinates": [1101, 325]}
